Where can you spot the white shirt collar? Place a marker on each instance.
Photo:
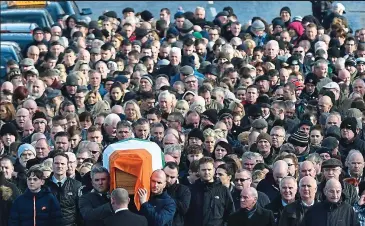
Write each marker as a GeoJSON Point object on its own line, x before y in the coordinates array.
{"type": "Point", "coordinates": [56, 181]}
{"type": "Point", "coordinates": [121, 209]}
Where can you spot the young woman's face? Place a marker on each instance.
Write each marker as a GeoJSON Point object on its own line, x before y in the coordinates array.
{"type": "Point", "coordinates": [92, 99]}
{"type": "Point", "coordinates": [3, 113]}
{"type": "Point", "coordinates": [86, 124]}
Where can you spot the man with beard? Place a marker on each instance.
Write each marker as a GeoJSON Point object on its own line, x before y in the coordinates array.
{"type": "Point", "coordinates": [178, 192]}
{"type": "Point", "coordinates": [37, 92]}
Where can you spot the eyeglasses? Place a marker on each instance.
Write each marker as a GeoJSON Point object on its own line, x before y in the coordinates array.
{"type": "Point", "coordinates": [241, 179]}
{"type": "Point", "coordinates": [276, 135]}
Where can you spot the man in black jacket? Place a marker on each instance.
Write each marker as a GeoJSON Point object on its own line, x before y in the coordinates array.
{"type": "Point", "coordinates": [122, 216]}
{"type": "Point", "coordinates": [251, 214]}
{"type": "Point", "coordinates": [94, 206]}
{"type": "Point", "coordinates": [65, 189]}
{"type": "Point", "coordinates": [288, 190]}
{"type": "Point", "coordinates": [242, 180]}
{"type": "Point", "coordinates": [331, 169]}
{"type": "Point", "coordinates": [333, 211]}
{"type": "Point", "coordinates": [178, 192]}
{"type": "Point", "coordinates": [349, 137]}
{"type": "Point", "coordinates": [293, 214]}
{"type": "Point", "coordinates": [211, 202]}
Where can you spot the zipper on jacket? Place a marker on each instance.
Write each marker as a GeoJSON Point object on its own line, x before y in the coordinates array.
{"type": "Point", "coordinates": [34, 211]}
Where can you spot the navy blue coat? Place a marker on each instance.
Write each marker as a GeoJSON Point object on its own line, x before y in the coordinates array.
{"type": "Point", "coordinates": [47, 209]}
{"type": "Point", "coordinates": [159, 210]}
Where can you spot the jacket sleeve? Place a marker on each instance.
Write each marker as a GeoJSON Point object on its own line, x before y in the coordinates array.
{"type": "Point", "coordinates": [183, 200]}
{"type": "Point", "coordinates": [161, 217]}
{"type": "Point", "coordinates": [55, 214]}
{"type": "Point", "coordinates": [229, 208]}
{"type": "Point", "coordinates": [89, 213]}
{"type": "Point", "coordinates": [14, 215]}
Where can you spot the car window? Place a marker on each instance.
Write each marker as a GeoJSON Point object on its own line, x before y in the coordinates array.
{"type": "Point", "coordinates": [75, 7]}
{"type": "Point", "coordinates": [19, 18]}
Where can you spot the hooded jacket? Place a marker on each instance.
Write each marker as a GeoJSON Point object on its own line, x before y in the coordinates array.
{"type": "Point", "coordinates": [41, 209]}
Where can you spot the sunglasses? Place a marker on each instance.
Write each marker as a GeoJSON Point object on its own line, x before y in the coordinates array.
{"type": "Point", "coordinates": [241, 179]}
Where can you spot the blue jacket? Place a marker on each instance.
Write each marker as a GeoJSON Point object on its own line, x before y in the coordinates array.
{"type": "Point", "coordinates": [159, 210]}
{"type": "Point", "coordinates": [43, 205]}
{"type": "Point", "coordinates": [102, 90]}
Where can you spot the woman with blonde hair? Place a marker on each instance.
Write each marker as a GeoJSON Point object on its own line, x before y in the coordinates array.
{"type": "Point", "coordinates": [91, 98]}
{"type": "Point", "coordinates": [132, 111]}
{"type": "Point", "coordinates": [99, 107]}
{"type": "Point", "coordinates": [182, 106]}
{"type": "Point", "coordinates": [237, 108]}
{"type": "Point", "coordinates": [83, 67]}
{"type": "Point", "coordinates": [73, 120]}
{"type": "Point", "coordinates": [116, 41]}
{"type": "Point", "coordinates": [210, 137]}
{"type": "Point", "coordinates": [81, 78]}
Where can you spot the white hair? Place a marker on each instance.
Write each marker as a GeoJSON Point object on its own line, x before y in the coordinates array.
{"type": "Point", "coordinates": [273, 42]}
{"type": "Point", "coordinates": [253, 192]}
{"type": "Point", "coordinates": [340, 63]}
{"type": "Point", "coordinates": [320, 45]}
{"type": "Point", "coordinates": [172, 148]}
{"type": "Point", "coordinates": [111, 118]}
{"type": "Point", "coordinates": [175, 50]}
{"type": "Point", "coordinates": [165, 94]}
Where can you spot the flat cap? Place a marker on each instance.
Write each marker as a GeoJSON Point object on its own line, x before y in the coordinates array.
{"type": "Point", "coordinates": [186, 70]}
{"type": "Point", "coordinates": [259, 124]}
{"type": "Point", "coordinates": [332, 163]}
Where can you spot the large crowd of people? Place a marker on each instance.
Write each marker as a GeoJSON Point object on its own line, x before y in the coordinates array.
{"type": "Point", "coordinates": [259, 124]}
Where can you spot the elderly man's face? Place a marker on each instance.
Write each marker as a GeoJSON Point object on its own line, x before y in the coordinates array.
{"type": "Point", "coordinates": [332, 173]}
{"type": "Point", "coordinates": [38, 88]}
